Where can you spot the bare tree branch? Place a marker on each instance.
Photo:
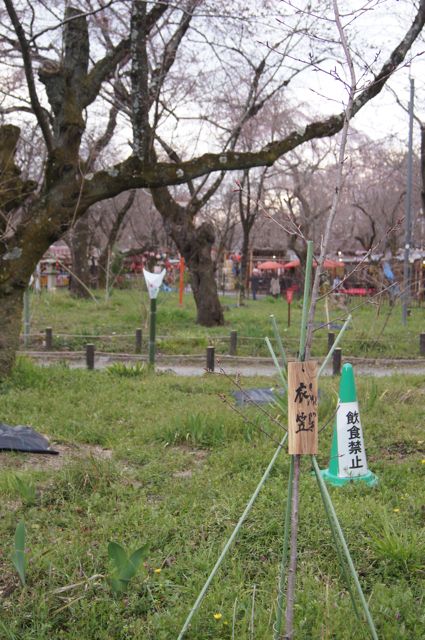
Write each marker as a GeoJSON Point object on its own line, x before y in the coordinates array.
{"type": "Point", "coordinates": [29, 74]}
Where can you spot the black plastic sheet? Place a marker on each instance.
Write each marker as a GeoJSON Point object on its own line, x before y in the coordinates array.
{"type": "Point", "coordinates": [21, 438]}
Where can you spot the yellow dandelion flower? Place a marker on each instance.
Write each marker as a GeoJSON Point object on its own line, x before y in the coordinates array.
{"type": "Point", "coordinates": [396, 510]}
{"type": "Point", "coordinates": [218, 616]}
{"type": "Point", "coordinates": [157, 570]}
{"type": "Point", "coordinates": [422, 461]}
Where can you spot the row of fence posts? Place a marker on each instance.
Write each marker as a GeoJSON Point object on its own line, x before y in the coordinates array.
{"type": "Point", "coordinates": [336, 356]}
{"type": "Point", "coordinates": [233, 348]}
{"type": "Point", "coordinates": [90, 348]}
{"type": "Point", "coordinates": [48, 340]}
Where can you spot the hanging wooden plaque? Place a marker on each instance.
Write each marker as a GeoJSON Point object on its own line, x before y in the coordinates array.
{"type": "Point", "coordinates": [302, 408]}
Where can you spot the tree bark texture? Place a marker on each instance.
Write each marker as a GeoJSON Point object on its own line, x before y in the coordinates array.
{"type": "Point", "coordinates": [79, 244]}
{"type": "Point", "coordinates": [202, 275]}
{"type": "Point", "coordinates": [11, 307]}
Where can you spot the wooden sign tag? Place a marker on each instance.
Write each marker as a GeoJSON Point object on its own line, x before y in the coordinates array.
{"type": "Point", "coordinates": [303, 408]}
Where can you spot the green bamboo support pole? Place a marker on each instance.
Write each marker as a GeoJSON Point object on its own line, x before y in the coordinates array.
{"type": "Point", "coordinates": [279, 341]}
{"type": "Point", "coordinates": [152, 332]}
{"type": "Point", "coordinates": [26, 317]}
{"type": "Point", "coordinates": [231, 539]}
{"type": "Point", "coordinates": [296, 462]}
{"type": "Point", "coordinates": [281, 589]}
{"type": "Point", "coordinates": [306, 300]}
{"type": "Point", "coordinates": [334, 346]}
{"type": "Point", "coordinates": [340, 556]}
{"type": "Point", "coordinates": [332, 514]}
{"type": "Point", "coordinates": [276, 364]}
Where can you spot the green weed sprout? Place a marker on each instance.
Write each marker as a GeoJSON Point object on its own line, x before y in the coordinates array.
{"type": "Point", "coordinates": [125, 567]}
{"type": "Point", "coordinates": [122, 370]}
{"type": "Point", "coordinates": [18, 556]}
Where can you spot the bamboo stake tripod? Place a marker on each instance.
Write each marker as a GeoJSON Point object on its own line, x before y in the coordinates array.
{"type": "Point", "coordinates": [303, 427]}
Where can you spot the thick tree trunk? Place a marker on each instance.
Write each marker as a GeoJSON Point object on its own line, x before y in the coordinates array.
{"type": "Point", "coordinates": [195, 246]}
{"type": "Point", "coordinates": [79, 244]}
{"type": "Point", "coordinates": [11, 306]}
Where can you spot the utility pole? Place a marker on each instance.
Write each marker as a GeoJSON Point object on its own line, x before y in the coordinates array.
{"type": "Point", "coordinates": [408, 218]}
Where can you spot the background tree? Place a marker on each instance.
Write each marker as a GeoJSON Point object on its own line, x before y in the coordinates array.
{"type": "Point", "coordinates": [378, 199]}
{"type": "Point", "coordinates": [251, 191]}
{"type": "Point", "coordinates": [220, 212]}
{"type": "Point", "coordinates": [302, 193]}
{"type": "Point", "coordinates": [255, 80]}
{"type": "Point", "coordinates": [73, 77]}
{"type": "Point", "coordinates": [78, 236]}
{"type": "Point", "coordinates": [118, 217]}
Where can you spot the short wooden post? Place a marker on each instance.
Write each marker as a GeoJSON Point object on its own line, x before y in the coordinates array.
{"type": "Point", "coordinates": [331, 340]}
{"type": "Point", "coordinates": [138, 341]}
{"type": "Point", "coordinates": [90, 356]}
{"type": "Point", "coordinates": [210, 358]}
{"type": "Point", "coordinates": [336, 362]}
{"type": "Point", "coordinates": [422, 344]}
{"type": "Point", "coordinates": [233, 343]}
{"type": "Point", "coordinates": [49, 339]}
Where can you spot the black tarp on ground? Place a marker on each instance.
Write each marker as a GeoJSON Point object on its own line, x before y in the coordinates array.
{"type": "Point", "coordinates": [21, 438]}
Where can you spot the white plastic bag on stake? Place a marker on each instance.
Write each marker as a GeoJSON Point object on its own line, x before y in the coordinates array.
{"type": "Point", "coordinates": [154, 282]}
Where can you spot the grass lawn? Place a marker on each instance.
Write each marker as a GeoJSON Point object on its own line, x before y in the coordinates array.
{"type": "Point", "coordinates": [158, 459]}
{"type": "Point", "coordinates": [376, 330]}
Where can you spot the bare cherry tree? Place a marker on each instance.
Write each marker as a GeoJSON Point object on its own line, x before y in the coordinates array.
{"type": "Point", "coordinates": [377, 198]}
{"type": "Point", "coordinates": [69, 70]}
{"type": "Point", "coordinates": [303, 193]}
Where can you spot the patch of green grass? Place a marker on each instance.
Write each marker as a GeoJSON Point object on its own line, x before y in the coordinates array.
{"type": "Point", "coordinates": [402, 552]}
{"type": "Point", "coordinates": [376, 331]}
{"type": "Point", "coordinates": [162, 461]}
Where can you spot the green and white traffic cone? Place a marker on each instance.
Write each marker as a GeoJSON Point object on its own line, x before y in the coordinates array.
{"type": "Point", "coordinates": [348, 455]}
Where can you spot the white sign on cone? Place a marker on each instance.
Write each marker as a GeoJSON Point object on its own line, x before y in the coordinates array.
{"type": "Point", "coordinates": [153, 282]}
{"type": "Point", "coordinates": [348, 455]}
{"type": "Point", "coordinates": [351, 450]}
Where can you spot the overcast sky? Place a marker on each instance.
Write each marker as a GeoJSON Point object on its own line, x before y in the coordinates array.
{"type": "Point", "coordinates": [382, 118]}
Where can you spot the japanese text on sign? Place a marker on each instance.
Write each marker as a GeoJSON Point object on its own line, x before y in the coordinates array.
{"type": "Point", "coordinates": [302, 407]}
{"type": "Point", "coordinates": [352, 455]}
